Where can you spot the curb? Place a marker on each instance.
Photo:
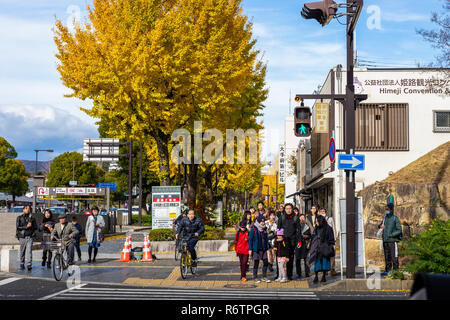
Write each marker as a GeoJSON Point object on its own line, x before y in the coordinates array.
{"type": "Point", "coordinates": [363, 285]}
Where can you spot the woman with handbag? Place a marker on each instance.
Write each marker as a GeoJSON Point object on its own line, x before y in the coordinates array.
{"type": "Point", "coordinates": [323, 240]}
{"type": "Point", "coordinates": [94, 232]}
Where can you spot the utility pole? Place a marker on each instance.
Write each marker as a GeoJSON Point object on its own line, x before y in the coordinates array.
{"type": "Point", "coordinates": [130, 182]}
{"type": "Point", "coordinates": [323, 12]}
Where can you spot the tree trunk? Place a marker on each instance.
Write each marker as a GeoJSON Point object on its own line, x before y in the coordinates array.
{"type": "Point", "coordinates": [209, 184]}
{"type": "Point", "coordinates": [192, 184]}
{"type": "Point", "coordinates": [162, 143]}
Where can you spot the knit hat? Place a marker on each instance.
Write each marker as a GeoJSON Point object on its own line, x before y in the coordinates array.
{"type": "Point", "coordinates": [260, 218]}
{"type": "Point", "coordinates": [390, 205]}
{"type": "Point", "coordinates": [242, 224]}
{"type": "Point", "coordinates": [280, 232]}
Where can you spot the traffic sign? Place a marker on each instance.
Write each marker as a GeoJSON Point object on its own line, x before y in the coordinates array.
{"type": "Point", "coordinates": [351, 162]}
{"type": "Point", "coordinates": [332, 150]}
{"type": "Point", "coordinates": [42, 191]}
{"type": "Point", "coordinates": [111, 185]}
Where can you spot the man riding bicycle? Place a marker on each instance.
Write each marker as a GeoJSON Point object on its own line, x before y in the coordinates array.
{"type": "Point", "coordinates": [192, 227]}
{"type": "Point", "coordinates": [178, 219]}
{"type": "Point", "coordinates": [67, 233]}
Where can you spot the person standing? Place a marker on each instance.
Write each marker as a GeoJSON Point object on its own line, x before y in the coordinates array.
{"type": "Point", "coordinates": [258, 244]}
{"type": "Point", "coordinates": [272, 234]}
{"type": "Point", "coordinates": [94, 227]}
{"type": "Point", "coordinates": [192, 227]}
{"type": "Point", "coordinates": [66, 232]}
{"type": "Point", "coordinates": [247, 218]}
{"type": "Point", "coordinates": [392, 234]}
{"type": "Point", "coordinates": [241, 248]}
{"type": "Point", "coordinates": [78, 236]}
{"type": "Point", "coordinates": [289, 223]}
{"type": "Point", "coordinates": [324, 212]}
{"type": "Point", "coordinates": [46, 227]}
{"type": "Point", "coordinates": [301, 250]}
{"type": "Point", "coordinates": [321, 246]}
{"type": "Point", "coordinates": [282, 250]}
{"type": "Point", "coordinates": [26, 228]}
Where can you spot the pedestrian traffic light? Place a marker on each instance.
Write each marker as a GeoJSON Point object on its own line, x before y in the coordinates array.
{"type": "Point", "coordinates": [322, 11]}
{"type": "Point", "coordinates": [302, 121]}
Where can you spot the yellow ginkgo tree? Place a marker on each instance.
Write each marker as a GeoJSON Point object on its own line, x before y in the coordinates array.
{"type": "Point", "coordinates": [152, 66]}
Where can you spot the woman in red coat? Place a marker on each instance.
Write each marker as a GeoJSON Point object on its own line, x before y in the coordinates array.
{"type": "Point", "coordinates": [241, 248]}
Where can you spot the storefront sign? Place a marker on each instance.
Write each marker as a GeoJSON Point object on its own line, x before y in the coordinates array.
{"type": "Point", "coordinates": [321, 118]}
{"type": "Point", "coordinates": [282, 165]}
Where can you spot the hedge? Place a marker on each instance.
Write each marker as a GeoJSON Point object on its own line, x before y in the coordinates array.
{"type": "Point", "coordinates": [167, 234]}
{"type": "Point", "coordinates": [146, 220]}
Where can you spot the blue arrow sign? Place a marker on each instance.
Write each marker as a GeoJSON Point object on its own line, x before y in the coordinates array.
{"type": "Point", "coordinates": [111, 185]}
{"type": "Point", "coordinates": [351, 162]}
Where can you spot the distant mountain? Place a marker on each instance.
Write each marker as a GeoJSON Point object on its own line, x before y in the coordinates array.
{"type": "Point", "coordinates": [42, 165]}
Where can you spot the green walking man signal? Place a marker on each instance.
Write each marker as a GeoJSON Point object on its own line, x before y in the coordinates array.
{"type": "Point", "coordinates": [302, 120]}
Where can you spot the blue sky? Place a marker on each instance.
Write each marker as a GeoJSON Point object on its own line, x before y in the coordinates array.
{"type": "Point", "coordinates": [299, 53]}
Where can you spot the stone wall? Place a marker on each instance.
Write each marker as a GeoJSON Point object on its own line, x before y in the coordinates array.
{"type": "Point", "coordinates": [414, 204]}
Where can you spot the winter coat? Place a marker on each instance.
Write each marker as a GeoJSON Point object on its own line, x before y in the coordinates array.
{"type": "Point", "coordinates": [80, 231]}
{"type": "Point", "coordinates": [190, 227]}
{"type": "Point", "coordinates": [64, 233]}
{"type": "Point", "coordinates": [303, 250]}
{"type": "Point", "coordinates": [290, 225]}
{"type": "Point", "coordinates": [44, 229]}
{"type": "Point", "coordinates": [258, 240]}
{"type": "Point", "coordinates": [90, 227]}
{"type": "Point", "coordinates": [21, 226]}
{"type": "Point", "coordinates": [241, 242]}
{"type": "Point", "coordinates": [314, 252]}
{"type": "Point", "coordinates": [392, 228]}
{"type": "Point", "coordinates": [282, 248]}
{"type": "Point", "coordinates": [272, 233]}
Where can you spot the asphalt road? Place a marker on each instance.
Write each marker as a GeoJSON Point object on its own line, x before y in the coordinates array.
{"type": "Point", "coordinates": [17, 288]}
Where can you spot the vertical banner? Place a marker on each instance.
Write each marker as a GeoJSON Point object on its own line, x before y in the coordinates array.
{"type": "Point", "coordinates": [166, 203]}
{"type": "Point", "coordinates": [282, 164]}
{"type": "Point", "coordinates": [321, 117]}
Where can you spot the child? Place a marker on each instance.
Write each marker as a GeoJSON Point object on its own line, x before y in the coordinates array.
{"type": "Point", "coordinates": [282, 256]}
{"type": "Point", "coordinates": [241, 247]}
{"type": "Point", "coordinates": [78, 237]}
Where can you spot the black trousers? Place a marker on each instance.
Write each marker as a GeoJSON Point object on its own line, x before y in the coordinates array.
{"type": "Point", "coordinates": [390, 255]}
{"type": "Point", "coordinates": [290, 265]}
{"type": "Point", "coordinates": [47, 254]}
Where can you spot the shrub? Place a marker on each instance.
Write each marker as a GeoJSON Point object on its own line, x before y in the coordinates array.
{"type": "Point", "coordinates": [212, 233]}
{"type": "Point", "coordinates": [430, 250]}
{"type": "Point", "coordinates": [230, 218]}
{"type": "Point", "coordinates": [145, 220]}
{"type": "Point", "coordinates": [161, 235]}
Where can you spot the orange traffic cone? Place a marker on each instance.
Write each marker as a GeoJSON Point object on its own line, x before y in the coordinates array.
{"type": "Point", "coordinates": [147, 254]}
{"type": "Point", "coordinates": [125, 256]}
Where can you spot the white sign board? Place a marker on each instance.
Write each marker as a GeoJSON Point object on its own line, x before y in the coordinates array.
{"type": "Point", "coordinates": [282, 163]}
{"type": "Point", "coordinates": [166, 203]}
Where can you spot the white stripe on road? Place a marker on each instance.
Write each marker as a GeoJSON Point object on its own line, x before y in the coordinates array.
{"type": "Point", "coordinates": [62, 292]}
{"type": "Point", "coordinates": [9, 280]}
{"type": "Point", "coordinates": [121, 293]}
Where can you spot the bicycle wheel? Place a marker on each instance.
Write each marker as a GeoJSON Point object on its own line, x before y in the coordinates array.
{"type": "Point", "coordinates": [177, 250]}
{"type": "Point", "coordinates": [183, 265]}
{"type": "Point", "coordinates": [58, 267]}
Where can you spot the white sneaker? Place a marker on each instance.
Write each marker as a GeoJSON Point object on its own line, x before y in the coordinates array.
{"type": "Point", "coordinates": [266, 280]}
{"type": "Point", "coordinates": [257, 281]}
{"type": "Point", "coordinates": [277, 279]}
{"type": "Point", "coordinates": [284, 280]}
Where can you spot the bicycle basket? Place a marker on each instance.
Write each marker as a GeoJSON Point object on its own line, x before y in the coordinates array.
{"type": "Point", "coordinates": [55, 245]}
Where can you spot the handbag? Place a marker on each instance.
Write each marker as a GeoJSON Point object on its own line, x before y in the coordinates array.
{"type": "Point", "coordinates": [101, 236]}
{"type": "Point", "coordinates": [326, 250]}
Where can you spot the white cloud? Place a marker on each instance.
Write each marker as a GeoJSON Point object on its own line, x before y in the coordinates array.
{"type": "Point", "coordinates": [28, 127]}
{"type": "Point", "coordinates": [403, 17]}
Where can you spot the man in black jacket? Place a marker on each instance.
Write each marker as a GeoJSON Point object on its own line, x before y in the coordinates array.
{"type": "Point", "coordinates": [26, 227]}
{"type": "Point", "coordinates": [192, 228]}
{"type": "Point", "coordinates": [289, 223]}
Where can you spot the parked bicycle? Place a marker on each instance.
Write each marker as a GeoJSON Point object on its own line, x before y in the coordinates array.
{"type": "Point", "coordinates": [59, 262]}
{"type": "Point", "coordinates": [186, 261]}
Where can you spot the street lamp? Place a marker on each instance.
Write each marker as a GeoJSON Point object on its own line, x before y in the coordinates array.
{"type": "Point", "coordinates": [36, 164]}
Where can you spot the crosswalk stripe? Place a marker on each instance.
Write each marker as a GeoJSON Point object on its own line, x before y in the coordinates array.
{"type": "Point", "coordinates": [131, 293]}
{"type": "Point", "coordinates": [8, 280]}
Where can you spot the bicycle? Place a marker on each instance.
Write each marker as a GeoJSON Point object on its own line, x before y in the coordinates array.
{"type": "Point", "coordinates": [186, 261]}
{"type": "Point", "coordinates": [59, 263]}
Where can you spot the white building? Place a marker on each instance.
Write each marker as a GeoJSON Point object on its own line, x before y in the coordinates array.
{"type": "Point", "coordinates": [406, 115]}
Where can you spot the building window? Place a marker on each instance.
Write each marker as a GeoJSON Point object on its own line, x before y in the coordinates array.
{"type": "Point", "coordinates": [382, 127]}
{"type": "Point", "coordinates": [441, 121]}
